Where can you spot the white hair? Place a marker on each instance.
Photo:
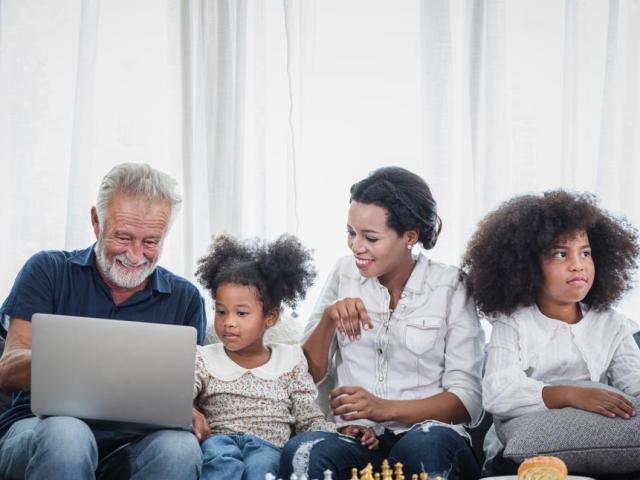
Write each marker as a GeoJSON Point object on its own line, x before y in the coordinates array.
{"type": "Point", "coordinates": [137, 180]}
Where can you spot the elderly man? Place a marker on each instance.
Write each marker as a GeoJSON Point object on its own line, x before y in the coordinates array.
{"type": "Point", "coordinates": [116, 278]}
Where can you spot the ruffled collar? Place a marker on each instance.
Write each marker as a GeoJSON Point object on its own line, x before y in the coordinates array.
{"type": "Point", "coordinates": [283, 359]}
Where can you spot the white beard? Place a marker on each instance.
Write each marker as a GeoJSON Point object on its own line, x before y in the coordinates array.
{"type": "Point", "coordinates": [118, 275]}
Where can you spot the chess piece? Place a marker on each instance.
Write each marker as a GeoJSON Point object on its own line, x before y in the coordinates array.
{"type": "Point", "coordinates": [398, 470]}
{"type": "Point", "coordinates": [328, 474]}
{"type": "Point", "coordinates": [354, 474]}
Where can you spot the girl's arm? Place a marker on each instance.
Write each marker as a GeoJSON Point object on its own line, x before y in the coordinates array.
{"type": "Point", "coordinates": [506, 390]}
{"type": "Point", "coordinates": [201, 428]}
{"type": "Point", "coordinates": [624, 369]}
{"type": "Point", "coordinates": [596, 400]}
{"type": "Point", "coordinates": [304, 408]}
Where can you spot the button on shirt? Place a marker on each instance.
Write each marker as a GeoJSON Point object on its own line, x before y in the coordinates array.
{"type": "Point", "coordinates": [430, 343]}
{"type": "Point", "coordinates": [68, 283]}
{"type": "Point", "coordinates": [529, 351]}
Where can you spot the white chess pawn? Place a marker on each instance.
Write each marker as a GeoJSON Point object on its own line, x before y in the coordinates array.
{"type": "Point", "coordinates": [293, 477]}
{"type": "Point", "coordinates": [269, 476]}
{"type": "Point", "coordinates": [328, 475]}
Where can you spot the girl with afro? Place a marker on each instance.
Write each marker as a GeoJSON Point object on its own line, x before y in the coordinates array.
{"type": "Point", "coordinates": [254, 395]}
{"type": "Point", "coordinates": [546, 270]}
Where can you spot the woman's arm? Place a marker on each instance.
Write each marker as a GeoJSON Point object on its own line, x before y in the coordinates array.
{"type": "Point", "coordinates": [355, 403]}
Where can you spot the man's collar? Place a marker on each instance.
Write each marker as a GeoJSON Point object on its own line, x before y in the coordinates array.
{"type": "Point", "coordinates": [87, 258]}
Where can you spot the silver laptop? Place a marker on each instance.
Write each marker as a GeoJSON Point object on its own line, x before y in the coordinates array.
{"type": "Point", "coordinates": [117, 375]}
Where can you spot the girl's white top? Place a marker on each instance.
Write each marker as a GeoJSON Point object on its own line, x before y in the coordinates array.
{"type": "Point", "coordinates": [271, 401]}
{"type": "Point", "coordinates": [430, 343]}
{"type": "Point", "coordinates": [529, 351]}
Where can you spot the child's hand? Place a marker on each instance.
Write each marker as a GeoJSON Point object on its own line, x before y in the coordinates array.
{"type": "Point", "coordinates": [201, 428]}
{"type": "Point", "coordinates": [366, 435]}
{"type": "Point", "coordinates": [597, 400]}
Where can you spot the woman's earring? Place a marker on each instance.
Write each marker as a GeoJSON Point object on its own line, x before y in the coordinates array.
{"type": "Point", "coordinates": [409, 246]}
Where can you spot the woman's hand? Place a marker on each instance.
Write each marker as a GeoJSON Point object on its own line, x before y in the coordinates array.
{"type": "Point", "coordinates": [201, 428]}
{"type": "Point", "coordinates": [366, 435]}
{"type": "Point", "coordinates": [354, 403]}
{"type": "Point", "coordinates": [596, 400]}
{"type": "Point", "coordinates": [348, 315]}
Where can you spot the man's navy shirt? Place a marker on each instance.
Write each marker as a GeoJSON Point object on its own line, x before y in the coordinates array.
{"type": "Point", "coordinates": [68, 283]}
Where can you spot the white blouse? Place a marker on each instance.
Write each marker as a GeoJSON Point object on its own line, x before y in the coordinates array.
{"type": "Point", "coordinates": [432, 342]}
{"type": "Point", "coordinates": [529, 351]}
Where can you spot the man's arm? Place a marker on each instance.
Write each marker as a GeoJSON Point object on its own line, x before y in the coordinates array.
{"type": "Point", "coordinates": [15, 363]}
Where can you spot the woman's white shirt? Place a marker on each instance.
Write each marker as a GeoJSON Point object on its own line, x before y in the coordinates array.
{"type": "Point", "coordinates": [430, 343]}
{"type": "Point", "coordinates": [529, 351]}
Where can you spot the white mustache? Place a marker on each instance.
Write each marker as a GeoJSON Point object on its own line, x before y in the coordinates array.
{"type": "Point", "coordinates": [123, 260]}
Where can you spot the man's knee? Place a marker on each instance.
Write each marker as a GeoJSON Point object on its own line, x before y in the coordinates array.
{"type": "Point", "coordinates": [66, 437]}
{"type": "Point", "coordinates": [175, 447]}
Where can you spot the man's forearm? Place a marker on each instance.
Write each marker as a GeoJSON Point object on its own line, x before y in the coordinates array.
{"type": "Point", "coordinates": [15, 370]}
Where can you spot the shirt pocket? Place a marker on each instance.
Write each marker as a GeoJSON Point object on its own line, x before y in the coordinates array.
{"type": "Point", "coordinates": [421, 335]}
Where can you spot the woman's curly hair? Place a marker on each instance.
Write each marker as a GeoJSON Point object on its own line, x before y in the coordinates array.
{"type": "Point", "coordinates": [407, 199]}
{"type": "Point", "coordinates": [280, 271]}
{"type": "Point", "coordinates": [503, 257]}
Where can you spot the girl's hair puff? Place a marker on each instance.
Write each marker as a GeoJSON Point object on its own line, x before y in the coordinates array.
{"type": "Point", "coordinates": [503, 257]}
{"type": "Point", "coordinates": [407, 199]}
{"type": "Point", "coordinates": [280, 271]}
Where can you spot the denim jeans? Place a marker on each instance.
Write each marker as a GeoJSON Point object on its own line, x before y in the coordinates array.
{"type": "Point", "coordinates": [236, 457]}
{"type": "Point", "coordinates": [66, 448]}
{"type": "Point", "coordinates": [429, 448]}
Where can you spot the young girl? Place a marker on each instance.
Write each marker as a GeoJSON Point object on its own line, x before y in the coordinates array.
{"type": "Point", "coordinates": [253, 394]}
{"type": "Point", "coordinates": [400, 335]}
{"type": "Point", "coordinates": [546, 270]}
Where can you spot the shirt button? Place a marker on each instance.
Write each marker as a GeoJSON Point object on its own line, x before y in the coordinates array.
{"type": "Point", "coordinates": [380, 378]}
{"type": "Point", "coordinates": [403, 295]}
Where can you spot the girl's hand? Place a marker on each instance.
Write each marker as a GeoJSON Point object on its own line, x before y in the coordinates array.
{"type": "Point", "coordinates": [366, 435]}
{"type": "Point", "coordinates": [596, 400]}
{"type": "Point", "coordinates": [604, 402]}
{"type": "Point", "coordinates": [348, 315]}
{"type": "Point", "coordinates": [201, 428]}
{"type": "Point", "coordinates": [353, 403]}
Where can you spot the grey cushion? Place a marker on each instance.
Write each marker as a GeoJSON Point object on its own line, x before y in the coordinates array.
{"type": "Point", "coordinates": [587, 442]}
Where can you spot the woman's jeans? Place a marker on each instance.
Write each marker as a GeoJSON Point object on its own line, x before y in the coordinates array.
{"type": "Point", "coordinates": [245, 457]}
{"type": "Point", "coordinates": [429, 447]}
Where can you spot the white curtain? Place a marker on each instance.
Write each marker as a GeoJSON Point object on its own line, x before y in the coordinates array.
{"type": "Point", "coordinates": [267, 111]}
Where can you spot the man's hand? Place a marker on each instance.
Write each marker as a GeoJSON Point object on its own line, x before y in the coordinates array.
{"type": "Point", "coordinates": [354, 403]}
{"type": "Point", "coordinates": [366, 435]}
{"type": "Point", "coordinates": [596, 400]}
{"type": "Point", "coordinates": [201, 428]}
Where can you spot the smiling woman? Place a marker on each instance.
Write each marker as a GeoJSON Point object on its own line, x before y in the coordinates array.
{"type": "Point", "coordinates": [400, 336]}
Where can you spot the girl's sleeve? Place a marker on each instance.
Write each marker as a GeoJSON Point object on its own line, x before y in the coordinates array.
{"type": "Point", "coordinates": [200, 375]}
{"type": "Point", "coordinates": [506, 389]}
{"type": "Point", "coordinates": [624, 369]}
{"type": "Point", "coordinates": [304, 408]}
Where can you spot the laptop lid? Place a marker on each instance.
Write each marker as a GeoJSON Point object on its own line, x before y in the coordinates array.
{"type": "Point", "coordinates": [131, 375]}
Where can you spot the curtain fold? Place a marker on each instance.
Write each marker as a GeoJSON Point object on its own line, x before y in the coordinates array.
{"type": "Point", "coordinates": [266, 112]}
